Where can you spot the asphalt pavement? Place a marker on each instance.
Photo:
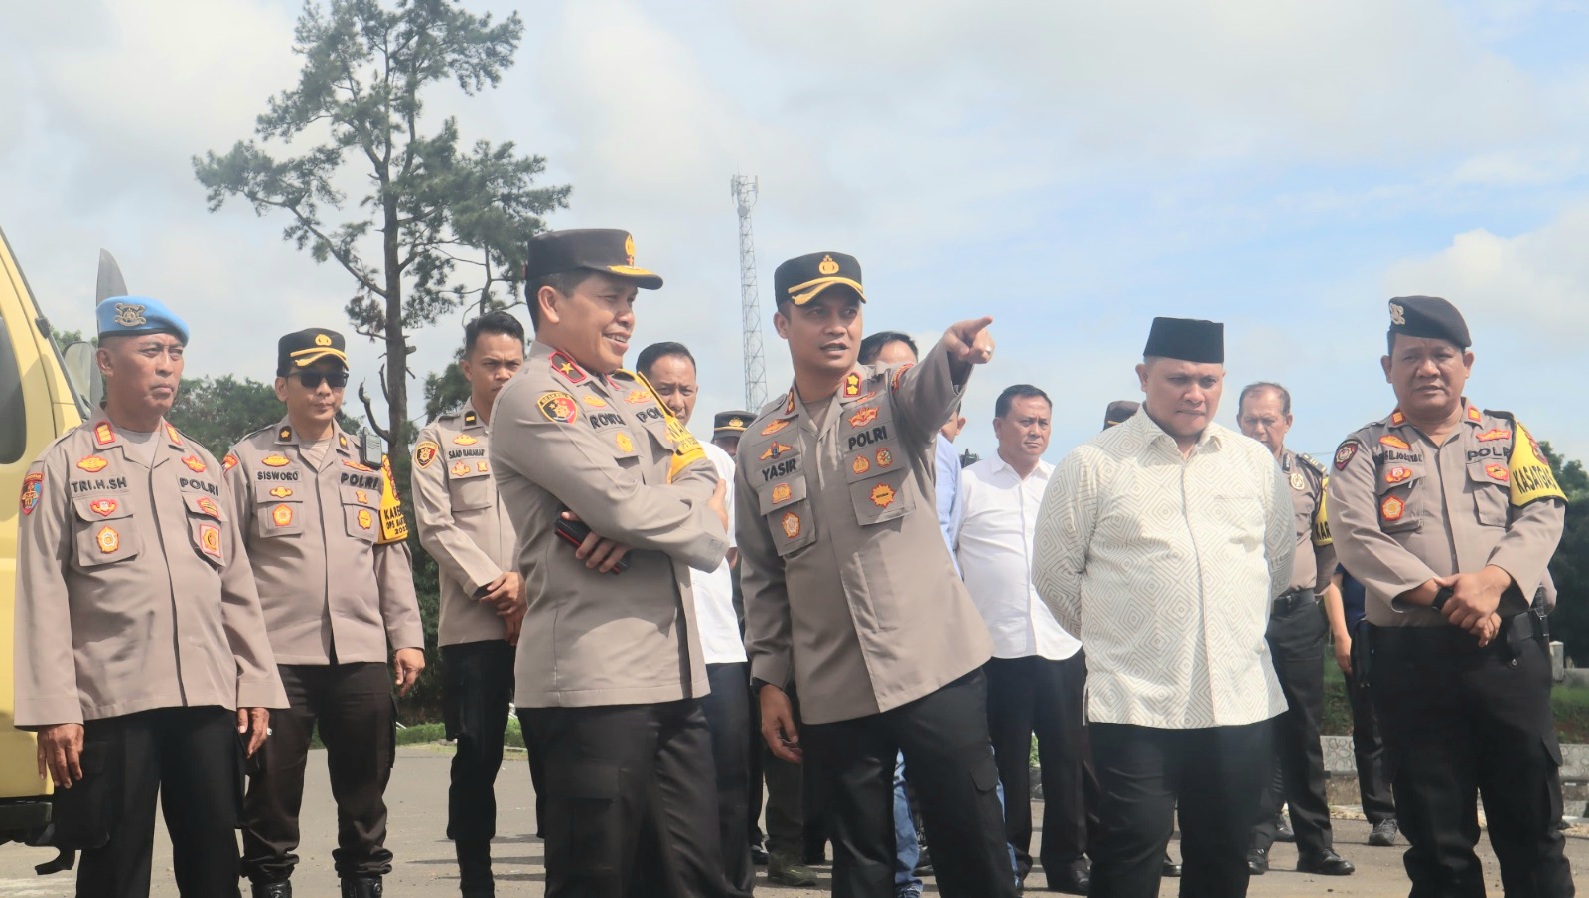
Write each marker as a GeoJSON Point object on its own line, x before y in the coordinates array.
{"type": "Point", "coordinates": [424, 865]}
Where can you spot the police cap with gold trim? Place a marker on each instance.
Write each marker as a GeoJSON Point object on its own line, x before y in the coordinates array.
{"type": "Point", "coordinates": [803, 278]}
{"type": "Point", "coordinates": [1428, 316]}
{"type": "Point", "coordinates": [607, 250]}
{"type": "Point", "coordinates": [298, 351]}
{"type": "Point", "coordinates": [1118, 412]}
{"type": "Point", "coordinates": [127, 316]}
{"type": "Point", "coordinates": [731, 422]}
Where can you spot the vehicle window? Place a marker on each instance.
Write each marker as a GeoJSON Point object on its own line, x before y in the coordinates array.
{"type": "Point", "coordinates": [13, 413]}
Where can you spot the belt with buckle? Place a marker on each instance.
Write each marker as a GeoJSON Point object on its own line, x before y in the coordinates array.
{"type": "Point", "coordinates": [1291, 601]}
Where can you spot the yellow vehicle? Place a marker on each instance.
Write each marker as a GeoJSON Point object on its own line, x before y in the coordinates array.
{"type": "Point", "coordinates": [37, 404]}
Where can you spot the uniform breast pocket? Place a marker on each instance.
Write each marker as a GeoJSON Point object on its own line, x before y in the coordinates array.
{"type": "Point", "coordinates": [280, 515]}
{"type": "Point", "coordinates": [876, 479]}
{"type": "Point", "coordinates": [472, 491]}
{"type": "Point", "coordinates": [1491, 485]}
{"type": "Point", "coordinates": [106, 531]}
{"type": "Point", "coordinates": [206, 524]}
{"type": "Point", "coordinates": [1396, 495]}
{"type": "Point", "coordinates": [361, 508]}
{"type": "Point", "coordinates": [788, 512]}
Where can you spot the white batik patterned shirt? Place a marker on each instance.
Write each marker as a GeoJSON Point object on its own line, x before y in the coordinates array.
{"type": "Point", "coordinates": [1166, 567]}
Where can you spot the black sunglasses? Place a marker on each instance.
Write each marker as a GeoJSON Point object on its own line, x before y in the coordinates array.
{"type": "Point", "coordinates": [311, 379]}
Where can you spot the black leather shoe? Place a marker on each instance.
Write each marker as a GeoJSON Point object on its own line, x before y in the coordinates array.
{"type": "Point", "coordinates": [923, 864]}
{"type": "Point", "coordinates": [1171, 868]}
{"type": "Point", "coordinates": [281, 889]}
{"type": "Point", "coordinates": [1072, 880]}
{"type": "Point", "coordinates": [1327, 864]}
{"type": "Point", "coordinates": [1384, 834]}
{"type": "Point", "coordinates": [758, 855]}
{"type": "Point", "coordinates": [361, 887]}
{"type": "Point", "coordinates": [1283, 830]}
{"type": "Point", "coordinates": [1258, 861]}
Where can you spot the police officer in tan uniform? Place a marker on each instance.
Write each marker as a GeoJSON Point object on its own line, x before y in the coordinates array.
{"type": "Point", "coordinates": [1296, 644]}
{"type": "Point", "coordinates": [851, 596]}
{"type": "Point", "coordinates": [610, 673]}
{"type": "Point", "coordinates": [141, 657]}
{"type": "Point", "coordinates": [467, 531]}
{"type": "Point", "coordinates": [335, 580]}
{"type": "Point", "coordinates": [1448, 515]}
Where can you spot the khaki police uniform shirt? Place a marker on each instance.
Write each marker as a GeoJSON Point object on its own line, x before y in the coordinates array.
{"type": "Point", "coordinates": [1314, 561]}
{"type": "Point", "coordinates": [603, 447]}
{"type": "Point", "coordinates": [133, 590]}
{"type": "Point", "coordinates": [1404, 511]}
{"type": "Point", "coordinates": [849, 589]}
{"type": "Point", "coordinates": [461, 523]}
{"type": "Point", "coordinates": [333, 591]}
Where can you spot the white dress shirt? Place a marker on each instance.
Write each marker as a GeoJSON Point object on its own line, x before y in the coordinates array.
{"type": "Point", "coordinates": [1167, 566]}
{"type": "Point", "coordinates": [721, 642]}
{"type": "Point", "coordinates": [994, 547]}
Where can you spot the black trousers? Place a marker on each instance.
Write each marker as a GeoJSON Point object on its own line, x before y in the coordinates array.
{"type": "Point", "coordinates": [1035, 695]}
{"type": "Point", "coordinates": [1296, 643]}
{"type": "Point", "coordinates": [727, 711]}
{"type": "Point", "coordinates": [189, 759]}
{"type": "Point", "coordinates": [352, 706]}
{"type": "Point", "coordinates": [1459, 722]}
{"type": "Point", "coordinates": [1211, 777]}
{"type": "Point", "coordinates": [631, 801]}
{"type": "Point", "coordinates": [1373, 780]}
{"type": "Point", "coordinates": [477, 688]}
{"type": "Point", "coordinates": [945, 741]}
{"type": "Point", "coordinates": [795, 809]}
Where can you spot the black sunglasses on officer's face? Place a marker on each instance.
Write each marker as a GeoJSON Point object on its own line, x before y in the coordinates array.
{"type": "Point", "coordinates": [311, 379]}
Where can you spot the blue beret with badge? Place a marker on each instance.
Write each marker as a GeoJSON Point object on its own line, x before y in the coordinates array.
{"type": "Point", "coordinates": [128, 316]}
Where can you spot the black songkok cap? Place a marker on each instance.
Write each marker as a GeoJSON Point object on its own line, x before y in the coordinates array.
{"type": "Point", "coordinates": [1187, 339]}
{"type": "Point", "coordinates": [1118, 412]}
{"type": "Point", "coordinates": [1428, 316]}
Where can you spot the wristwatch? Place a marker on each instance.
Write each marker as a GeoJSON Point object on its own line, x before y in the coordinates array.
{"type": "Point", "coordinates": [1441, 595]}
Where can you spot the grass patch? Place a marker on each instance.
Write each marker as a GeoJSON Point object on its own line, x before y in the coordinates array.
{"type": "Point", "coordinates": [426, 733]}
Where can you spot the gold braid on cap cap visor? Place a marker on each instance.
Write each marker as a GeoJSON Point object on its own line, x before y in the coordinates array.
{"type": "Point", "coordinates": [303, 358]}
{"type": "Point", "coordinates": [800, 294]}
{"type": "Point", "coordinates": [631, 271]}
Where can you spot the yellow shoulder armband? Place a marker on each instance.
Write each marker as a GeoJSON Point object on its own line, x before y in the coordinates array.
{"type": "Point", "coordinates": [394, 527]}
{"type": "Point", "coordinates": [1531, 476]}
{"type": "Point", "coordinates": [1321, 520]}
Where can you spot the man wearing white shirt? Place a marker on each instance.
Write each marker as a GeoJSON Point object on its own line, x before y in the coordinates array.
{"type": "Point", "coordinates": [1162, 542]}
{"type": "Point", "coordinates": [670, 368]}
{"type": "Point", "coordinates": [1037, 673]}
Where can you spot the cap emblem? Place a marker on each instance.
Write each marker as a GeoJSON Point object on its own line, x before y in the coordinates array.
{"type": "Point", "coordinates": [827, 266]}
{"type": "Point", "coordinates": [130, 315]}
{"type": "Point", "coordinates": [1398, 315]}
{"type": "Point", "coordinates": [628, 248]}
{"type": "Point", "coordinates": [322, 340]}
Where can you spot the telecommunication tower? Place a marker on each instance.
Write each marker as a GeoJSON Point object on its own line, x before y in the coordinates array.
{"type": "Point", "coordinates": [745, 190]}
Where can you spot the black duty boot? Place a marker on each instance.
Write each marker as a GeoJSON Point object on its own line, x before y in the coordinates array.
{"type": "Point", "coordinates": [281, 889]}
{"type": "Point", "coordinates": [474, 870]}
{"type": "Point", "coordinates": [361, 887]}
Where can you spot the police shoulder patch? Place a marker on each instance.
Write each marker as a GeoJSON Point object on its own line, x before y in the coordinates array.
{"type": "Point", "coordinates": [1343, 455]}
{"type": "Point", "coordinates": [558, 407]}
{"type": "Point", "coordinates": [425, 453]}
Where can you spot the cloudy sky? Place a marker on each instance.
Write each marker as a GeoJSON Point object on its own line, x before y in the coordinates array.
{"type": "Point", "coordinates": [1072, 169]}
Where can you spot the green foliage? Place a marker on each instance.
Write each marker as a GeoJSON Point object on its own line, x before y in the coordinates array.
{"type": "Point", "coordinates": [1569, 567]}
{"type": "Point", "coordinates": [217, 412]}
{"type": "Point", "coordinates": [432, 206]}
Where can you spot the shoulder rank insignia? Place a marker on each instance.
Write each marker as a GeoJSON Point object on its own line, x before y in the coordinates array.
{"type": "Point", "coordinates": [425, 453]}
{"type": "Point", "coordinates": [470, 419]}
{"type": "Point", "coordinates": [1311, 462]}
{"type": "Point", "coordinates": [567, 369]}
{"type": "Point", "coordinates": [32, 491]}
{"type": "Point", "coordinates": [93, 464]}
{"type": "Point", "coordinates": [789, 404]}
{"type": "Point", "coordinates": [342, 441]}
{"type": "Point", "coordinates": [852, 385]}
{"type": "Point", "coordinates": [103, 435]}
{"type": "Point", "coordinates": [1474, 416]}
{"type": "Point", "coordinates": [1397, 418]}
{"type": "Point", "coordinates": [284, 435]}
{"type": "Point", "coordinates": [172, 433]}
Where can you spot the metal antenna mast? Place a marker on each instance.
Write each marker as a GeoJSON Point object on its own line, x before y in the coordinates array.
{"type": "Point", "coordinates": [745, 190]}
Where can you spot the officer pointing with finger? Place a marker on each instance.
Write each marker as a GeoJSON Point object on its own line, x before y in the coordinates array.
{"type": "Point", "coordinates": [851, 595]}
{"type": "Point", "coordinates": [336, 582]}
{"type": "Point", "coordinates": [1448, 515]}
